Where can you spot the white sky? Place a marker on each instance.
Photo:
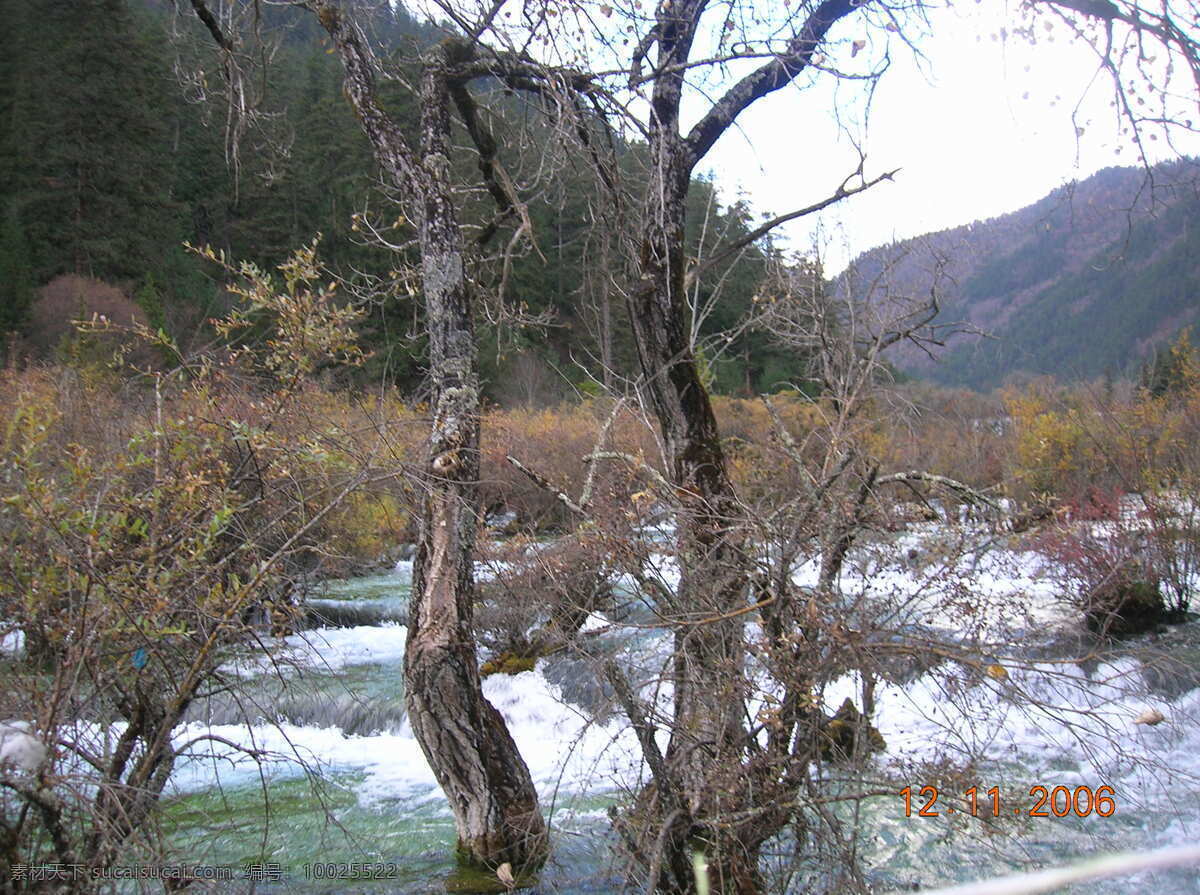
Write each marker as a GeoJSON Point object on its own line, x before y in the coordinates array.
{"type": "Point", "coordinates": [983, 128]}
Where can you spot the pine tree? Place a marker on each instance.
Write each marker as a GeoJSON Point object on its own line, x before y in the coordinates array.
{"type": "Point", "coordinates": [16, 274]}
{"type": "Point", "coordinates": [88, 142]}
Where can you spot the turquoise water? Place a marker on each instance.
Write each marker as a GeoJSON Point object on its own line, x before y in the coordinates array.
{"type": "Point", "coordinates": [314, 829]}
{"type": "Point", "coordinates": [340, 780]}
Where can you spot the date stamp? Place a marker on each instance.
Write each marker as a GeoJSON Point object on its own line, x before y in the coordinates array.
{"type": "Point", "coordinates": [1043, 801]}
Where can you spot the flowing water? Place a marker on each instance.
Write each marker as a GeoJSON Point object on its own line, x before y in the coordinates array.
{"type": "Point", "coordinates": [336, 778]}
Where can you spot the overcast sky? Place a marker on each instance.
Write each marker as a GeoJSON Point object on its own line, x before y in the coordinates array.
{"type": "Point", "coordinates": [986, 126]}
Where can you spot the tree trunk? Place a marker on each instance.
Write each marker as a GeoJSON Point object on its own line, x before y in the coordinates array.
{"type": "Point", "coordinates": [463, 736]}
{"type": "Point", "coordinates": [712, 784]}
{"type": "Point", "coordinates": [704, 756]}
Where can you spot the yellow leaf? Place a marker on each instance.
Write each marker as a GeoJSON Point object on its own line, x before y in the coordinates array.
{"type": "Point", "coordinates": [997, 672]}
{"type": "Point", "coordinates": [505, 875]}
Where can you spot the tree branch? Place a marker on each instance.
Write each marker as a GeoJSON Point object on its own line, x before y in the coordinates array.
{"type": "Point", "coordinates": [497, 183]}
{"type": "Point", "coordinates": [358, 61]}
{"type": "Point", "coordinates": [966, 492]}
{"type": "Point", "coordinates": [545, 485]}
{"type": "Point", "coordinates": [210, 22]}
{"type": "Point", "coordinates": [842, 192]}
{"type": "Point", "coordinates": [585, 496]}
{"type": "Point", "coordinates": [649, 471]}
{"type": "Point", "coordinates": [644, 731]}
{"type": "Point", "coordinates": [772, 76]}
{"type": "Point", "coordinates": [558, 86]}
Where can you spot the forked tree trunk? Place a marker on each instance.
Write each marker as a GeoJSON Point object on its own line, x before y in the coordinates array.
{"type": "Point", "coordinates": [704, 756]}
{"type": "Point", "coordinates": [464, 738]}
{"type": "Point", "coordinates": [716, 802]}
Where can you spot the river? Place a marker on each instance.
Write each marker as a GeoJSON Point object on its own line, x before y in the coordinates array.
{"type": "Point", "coordinates": [337, 778]}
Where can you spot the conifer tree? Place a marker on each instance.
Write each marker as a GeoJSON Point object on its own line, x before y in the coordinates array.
{"type": "Point", "coordinates": [87, 144]}
{"type": "Point", "coordinates": [16, 275]}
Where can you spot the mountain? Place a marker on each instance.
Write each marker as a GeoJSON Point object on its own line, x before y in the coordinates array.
{"type": "Point", "coordinates": [1083, 283]}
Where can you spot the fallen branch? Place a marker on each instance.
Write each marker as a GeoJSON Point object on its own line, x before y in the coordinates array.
{"type": "Point", "coordinates": [545, 484]}
{"type": "Point", "coordinates": [649, 471]}
{"type": "Point", "coordinates": [966, 492]}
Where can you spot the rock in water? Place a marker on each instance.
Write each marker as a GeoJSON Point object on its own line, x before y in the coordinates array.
{"type": "Point", "coordinates": [20, 748]}
{"type": "Point", "coordinates": [1124, 607]}
{"type": "Point", "coordinates": [839, 732]}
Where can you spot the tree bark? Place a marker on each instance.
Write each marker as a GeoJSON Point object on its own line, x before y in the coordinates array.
{"type": "Point", "coordinates": [463, 736]}
{"type": "Point", "coordinates": [704, 756]}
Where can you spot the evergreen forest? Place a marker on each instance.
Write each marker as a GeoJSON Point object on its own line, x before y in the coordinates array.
{"type": "Point", "coordinates": [116, 152]}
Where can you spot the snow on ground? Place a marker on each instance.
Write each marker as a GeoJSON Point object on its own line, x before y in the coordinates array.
{"type": "Point", "coordinates": [12, 643]}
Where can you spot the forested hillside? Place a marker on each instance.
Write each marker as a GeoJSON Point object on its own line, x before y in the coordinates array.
{"type": "Point", "coordinates": [1084, 283]}
{"type": "Point", "coordinates": [111, 161]}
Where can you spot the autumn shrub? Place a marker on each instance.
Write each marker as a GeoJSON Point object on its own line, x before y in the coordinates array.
{"type": "Point", "coordinates": [1174, 534]}
{"type": "Point", "coordinates": [1162, 434]}
{"type": "Point", "coordinates": [950, 432]}
{"type": "Point", "coordinates": [149, 526]}
{"type": "Point", "coordinates": [1054, 450]}
{"type": "Point", "coordinates": [1146, 477]}
{"type": "Point", "coordinates": [754, 434]}
{"type": "Point", "coordinates": [1107, 571]}
{"type": "Point", "coordinates": [556, 443]}
{"type": "Point", "coordinates": [1074, 443]}
{"type": "Point", "coordinates": [1128, 561]}
{"type": "Point", "coordinates": [69, 298]}
{"type": "Point", "coordinates": [130, 570]}
{"type": "Point", "coordinates": [540, 594]}
{"type": "Point", "coordinates": [1123, 465]}
{"type": "Point", "coordinates": [351, 432]}
{"type": "Point", "coordinates": [366, 529]}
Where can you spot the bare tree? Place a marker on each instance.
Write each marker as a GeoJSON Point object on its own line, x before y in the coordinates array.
{"type": "Point", "coordinates": [461, 733]}
{"type": "Point", "coordinates": [716, 788]}
{"type": "Point", "coordinates": [712, 789]}
{"type": "Point", "coordinates": [463, 736]}
{"type": "Point", "coordinates": [708, 775]}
